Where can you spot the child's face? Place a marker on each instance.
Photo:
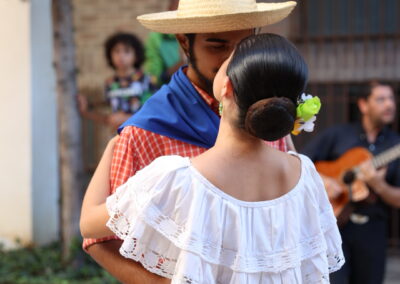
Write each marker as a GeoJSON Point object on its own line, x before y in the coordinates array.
{"type": "Point", "coordinates": [122, 56]}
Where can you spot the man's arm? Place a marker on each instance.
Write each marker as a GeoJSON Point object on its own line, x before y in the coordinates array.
{"type": "Point", "coordinates": [125, 270]}
{"type": "Point", "coordinates": [389, 194]}
{"type": "Point", "coordinates": [107, 253]}
{"type": "Point", "coordinates": [376, 180]}
{"type": "Point", "coordinates": [319, 149]}
{"type": "Point", "coordinates": [94, 215]}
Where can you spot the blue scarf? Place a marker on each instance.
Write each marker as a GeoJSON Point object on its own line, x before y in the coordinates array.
{"type": "Point", "coordinates": [177, 111]}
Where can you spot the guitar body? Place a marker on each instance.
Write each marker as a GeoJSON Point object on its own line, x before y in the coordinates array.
{"type": "Point", "coordinates": [338, 168]}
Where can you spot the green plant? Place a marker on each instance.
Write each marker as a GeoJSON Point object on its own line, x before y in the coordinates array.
{"type": "Point", "coordinates": [42, 265]}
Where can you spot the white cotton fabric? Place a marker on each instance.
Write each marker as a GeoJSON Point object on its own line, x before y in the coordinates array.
{"type": "Point", "coordinates": [180, 226]}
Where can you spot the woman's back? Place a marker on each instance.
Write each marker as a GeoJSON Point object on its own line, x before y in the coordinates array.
{"type": "Point", "coordinates": [253, 176]}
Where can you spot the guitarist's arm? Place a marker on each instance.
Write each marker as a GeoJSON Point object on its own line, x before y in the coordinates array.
{"type": "Point", "coordinates": [332, 187]}
{"type": "Point", "coordinates": [376, 180]}
{"type": "Point", "coordinates": [320, 149]}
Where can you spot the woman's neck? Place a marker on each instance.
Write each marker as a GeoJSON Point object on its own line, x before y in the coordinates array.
{"type": "Point", "coordinates": [236, 142]}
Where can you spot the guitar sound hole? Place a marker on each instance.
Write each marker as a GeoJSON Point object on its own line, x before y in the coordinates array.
{"type": "Point", "coordinates": [349, 177]}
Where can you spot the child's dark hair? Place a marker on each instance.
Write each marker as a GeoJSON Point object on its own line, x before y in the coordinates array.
{"type": "Point", "coordinates": [128, 40]}
{"type": "Point", "coordinates": [268, 75]}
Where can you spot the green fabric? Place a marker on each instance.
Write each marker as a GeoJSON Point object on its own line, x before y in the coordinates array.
{"type": "Point", "coordinates": [162, 52]}
{"type": "Point", "coordinates": [169, 51]}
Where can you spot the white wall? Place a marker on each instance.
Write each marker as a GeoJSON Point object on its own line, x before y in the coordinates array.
{"type": "Point", "coordinates": [15, 118]}
{"type": "Point", "coordinates": [28, 151]}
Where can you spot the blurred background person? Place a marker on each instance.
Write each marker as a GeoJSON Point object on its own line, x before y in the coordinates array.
{"type": "Point", "coordinates": [364, 229]}
{"type": "Point", "coordinates": [128, 88]}
{"type": "Point", "coordinates": [163, 54]}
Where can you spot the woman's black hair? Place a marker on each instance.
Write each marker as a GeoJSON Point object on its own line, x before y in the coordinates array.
{"type": "Point", "coordinates": [128, 40]}
{"type": "Point", "coordinates": [268, 75]}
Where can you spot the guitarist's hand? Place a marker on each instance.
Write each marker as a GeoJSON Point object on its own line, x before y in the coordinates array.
{"type": "Point", "coordinates": [332, 187]}
{"type": "Point", "coordinates": [373, 177]}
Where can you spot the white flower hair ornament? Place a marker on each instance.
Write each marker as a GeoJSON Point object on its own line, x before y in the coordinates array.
{"type": "Point", "coordinates": [306, 111]}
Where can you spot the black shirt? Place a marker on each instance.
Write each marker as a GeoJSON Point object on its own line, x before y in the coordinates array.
{"type": "Point", "coordinates": [335, 141]}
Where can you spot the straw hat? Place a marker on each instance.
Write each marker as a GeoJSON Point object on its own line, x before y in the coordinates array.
{"type": "Point", "coordinates": [212, 16]}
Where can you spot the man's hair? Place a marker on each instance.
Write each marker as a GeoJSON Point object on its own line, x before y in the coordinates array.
{"type": "Point", "coordinates": [366, 90]}
{"type": "Point", "coordinates": [192, 61]}
{"type": "Point", "coordinates": [191, 38]}
{"type": "Point", "coordinates": [128, 40]}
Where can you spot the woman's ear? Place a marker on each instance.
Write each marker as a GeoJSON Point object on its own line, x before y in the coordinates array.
{"type": "Point", "coordinates": [227, 88]}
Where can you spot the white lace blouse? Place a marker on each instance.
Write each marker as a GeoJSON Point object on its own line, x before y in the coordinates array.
{"type": "Point", "coordinates": [180, 226]}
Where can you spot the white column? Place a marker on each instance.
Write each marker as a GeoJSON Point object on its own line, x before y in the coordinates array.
{"type": "Point", "coordinates": [45, 179]}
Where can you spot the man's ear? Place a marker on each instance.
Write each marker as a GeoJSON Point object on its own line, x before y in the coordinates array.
{"type": "Point", "coordinates": [184, 43]}
{"type": "Point", "coordinates": [362, 105]}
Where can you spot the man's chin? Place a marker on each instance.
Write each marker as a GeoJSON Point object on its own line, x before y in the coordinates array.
{"type": "Point", "coordinates": [385, 121]}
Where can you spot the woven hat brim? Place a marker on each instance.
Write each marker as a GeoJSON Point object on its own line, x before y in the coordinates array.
{"type": "Point", "coordinates": [170, 23]}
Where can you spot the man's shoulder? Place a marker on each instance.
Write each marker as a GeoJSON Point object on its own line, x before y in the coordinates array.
{"type": "Point", "coordinates": [166, 90]}
{"type": "Point", "coordinates": [392, 136]}
{"type": "Point", "coordinates": [136, 135]}
{"type": "Point", "coordinates": [134, 132]}
{"type": "Point", "coordinates": [338, 129]}
{"type": "Point", "coordinates": [393, 133]}
{"type": "Point", "coordinates": [346, 127]}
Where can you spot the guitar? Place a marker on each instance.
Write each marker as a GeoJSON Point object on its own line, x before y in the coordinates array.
{"type": "Point", "coordinates": [345, 171]}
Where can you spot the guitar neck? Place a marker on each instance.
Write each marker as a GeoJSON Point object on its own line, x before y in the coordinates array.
{"type": "Point", "coordinates": [386, 157]}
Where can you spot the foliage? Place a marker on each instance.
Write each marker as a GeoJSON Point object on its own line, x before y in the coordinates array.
{"type": "Point", "coordinates": [41, 265]}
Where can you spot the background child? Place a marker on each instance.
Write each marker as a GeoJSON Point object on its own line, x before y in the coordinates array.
{"type": "Point", "coordinates": [128, 88]}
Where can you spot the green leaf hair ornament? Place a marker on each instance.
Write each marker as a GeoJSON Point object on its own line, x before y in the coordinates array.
{"type": "Point", "coordinates": [306, 111]}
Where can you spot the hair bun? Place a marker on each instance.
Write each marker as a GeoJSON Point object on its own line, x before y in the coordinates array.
{"type": "Point", "coordinates": [271, 119]}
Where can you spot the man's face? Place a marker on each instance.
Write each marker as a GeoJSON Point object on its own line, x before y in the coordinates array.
{"type": "Point", "coordinates": [380, 106]}
{"type": "Point", "coordinates": [210, 50]}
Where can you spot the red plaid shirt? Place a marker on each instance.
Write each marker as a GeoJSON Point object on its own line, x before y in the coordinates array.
{"type": "Point", "coordinates": [136, 148]}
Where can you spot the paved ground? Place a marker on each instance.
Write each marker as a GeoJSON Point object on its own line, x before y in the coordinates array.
{"type": "Point", "coordinates": [393, 270]}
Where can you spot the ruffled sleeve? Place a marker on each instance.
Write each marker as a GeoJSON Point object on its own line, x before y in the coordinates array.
{"type": "Point", "coordinates": [327, 220]}
{"type": "Point", "coordinates": [126, 206]}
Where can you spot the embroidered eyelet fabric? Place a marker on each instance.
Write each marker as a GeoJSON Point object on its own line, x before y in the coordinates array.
{"type": "Point", "coordinates": [180, 226]}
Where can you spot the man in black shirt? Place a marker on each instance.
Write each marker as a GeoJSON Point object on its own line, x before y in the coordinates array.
{"type": "Point", "coordinates": [364, 235]}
